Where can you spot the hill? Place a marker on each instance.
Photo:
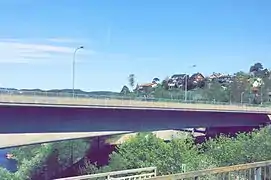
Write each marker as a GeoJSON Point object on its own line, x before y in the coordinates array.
{"type": "Point", "coordinates": [64, 91]}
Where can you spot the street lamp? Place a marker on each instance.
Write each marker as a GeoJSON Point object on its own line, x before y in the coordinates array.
{"type": "Point", "coordinates": [262, 95]}
{"type": "Point", "coordinates": [185, 91]}
{"type": "Point", "coordinates": [73, 80]}
{"type": "Point", "coordinates": [73, 68]}
{"type": "Point", "coordinates": [186, 79]}
{"type": "Point", "coordinates": [242, 95]}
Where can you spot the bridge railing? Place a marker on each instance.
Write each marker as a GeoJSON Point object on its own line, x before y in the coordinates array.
{"type": "Point", "coordinates": [251, 171]}
{"type": "Point", "coordinates": [125, 100]}
{"type": "Point", "coordinates": [130, 174]}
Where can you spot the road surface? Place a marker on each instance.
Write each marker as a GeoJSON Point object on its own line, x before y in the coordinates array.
{"type": "Point", "coordinates": [67, 101]}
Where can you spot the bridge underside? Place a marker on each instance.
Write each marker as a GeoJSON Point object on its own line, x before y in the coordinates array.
{"type": "Point", "coordinates": [21, 139]}
{"type": "Point", "coordinates": [37, 119]}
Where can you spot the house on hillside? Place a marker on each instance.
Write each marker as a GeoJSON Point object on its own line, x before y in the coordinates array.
{"type": "Point", "coordinates": [171, 84]}
{"type": "Point", "coordinates": [197, 77]}
{"type": "Point", "coordinates": [197, 80]}
{"type": "Point", "coordinates": [147, 87]}
{"type": "Point", "coordinates": [180, 80]}
{"type": "Point", "coordinates": [220, 78]}
{"type": "Point", "coordinates": [177, 80]}
{"type": "Point", "coordinates": [178, 76]}
{"type": "Point", "coordinates": [214, 76]}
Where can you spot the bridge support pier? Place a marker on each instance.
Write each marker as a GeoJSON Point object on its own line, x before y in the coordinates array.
{"type": "Point", "coordinates": [99, 151]}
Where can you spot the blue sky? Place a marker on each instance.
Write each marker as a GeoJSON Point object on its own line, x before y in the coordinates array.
{"type": "Point", "coordinates": [154, 38]}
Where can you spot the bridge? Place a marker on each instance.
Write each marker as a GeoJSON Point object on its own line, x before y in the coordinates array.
{"type": "Point", "coordinates": [34, 112]}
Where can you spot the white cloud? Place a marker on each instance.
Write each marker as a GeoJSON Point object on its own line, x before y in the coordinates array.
{"type": "Point", "coordinates": [63, 40]}
{"type": "Point", "coordinates": [36, 47]}
{"type": "Point", "coordinates": [18, 51]}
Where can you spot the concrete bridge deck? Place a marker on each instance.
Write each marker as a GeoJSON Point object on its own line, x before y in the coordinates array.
{"type": "Point", "coordinates": [22, 113]}
{"type": "Point", "coordinates": [26, 118]}
{"type": "Point", "coordinates": [117, 103]}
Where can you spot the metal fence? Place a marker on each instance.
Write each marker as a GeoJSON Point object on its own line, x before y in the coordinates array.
{"type": "Point", "coordinates": [50, 97]}
{"type": "Point", "coordinates": [251, 171]}
{"type": "Point", "coordinates": [130, 174]}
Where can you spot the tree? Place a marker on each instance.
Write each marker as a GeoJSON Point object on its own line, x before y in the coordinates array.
{"type": "Point", "coordinates": [88, 168]}
{"type": "Point", "coordinates": [145, 150]}
{"type": "Point", "coordinates": [155, 80]}
{"type": "Point", "coordinates": [216, 93]}
{"type": "Point", "coordinates": [125, 90]}
{"type": "Point", "coordinates": [257, 67]}
{"type": "Point", "coordinates": [258, 70]}
{"type": "Point", "coordinates": [241, 76]}
{"type": "Point", "coordinates": [165, 83]}
{"type": "Point", "coordinates": [245, 148]}
{"type": "Point", "coordinates": [266, 89]}
{"type": "Point", "coordinates": [6, 175]}
{"type": "Point", "coordinates": [44, 161]}
{"type": "Point", "coordinates": [131, 79]}
{"type": "Point", "coordinates": [240, 88]}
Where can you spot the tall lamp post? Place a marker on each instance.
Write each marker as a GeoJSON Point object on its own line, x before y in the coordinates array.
{"type": "Point", "coordinates": [73, 68]}
{"type": "Point", "coordinates": [242, 96]}
{"type": "Point", "coordinates": [186, 82]}
{"type": "Point", "coordinates": [73, 80]}
{"type": "Point", "coordinates": [185, 91]}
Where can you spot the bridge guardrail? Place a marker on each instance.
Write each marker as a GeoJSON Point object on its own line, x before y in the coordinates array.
{"type": "Point", "coordinates": [130, 174]}
{"type": "Point", "coordinates": [125, 100]}
{"type": "Point", "coordinates": [250, 171]}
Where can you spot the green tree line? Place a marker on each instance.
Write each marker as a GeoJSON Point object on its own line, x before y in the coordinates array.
{"type": "Point", "coordinates": [145, 150]}
{"type": "Point", "coordinates": [44, 161]}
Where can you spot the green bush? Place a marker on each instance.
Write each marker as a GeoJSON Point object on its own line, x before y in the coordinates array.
{"type": "Point", "coordinates": [45, 160]}
{"type": "Point", "coordinates": [245, 148]}
{"type": "Point", "coordinates": [145, 150]}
